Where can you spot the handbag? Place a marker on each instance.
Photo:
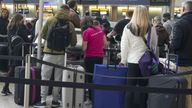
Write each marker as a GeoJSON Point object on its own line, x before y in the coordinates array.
{"type": "Point", "coordinates": [148, 63]}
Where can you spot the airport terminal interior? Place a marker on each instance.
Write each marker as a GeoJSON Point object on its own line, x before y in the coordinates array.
{"type": "Point", "coordinates": [113, 11]}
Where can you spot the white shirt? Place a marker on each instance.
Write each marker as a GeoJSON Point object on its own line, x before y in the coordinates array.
{"type": "Point", "coordinates": [133, 47]}
{"type": "Point", "coordinates": [37, 28]}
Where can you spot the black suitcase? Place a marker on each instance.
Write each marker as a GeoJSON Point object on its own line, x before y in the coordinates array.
{"type": "Point", "coordinates": [167, 100]}
{"type": "Point", "coordinates": [4, 51]}
{"type": "Point", "coordinates": [19, 88]}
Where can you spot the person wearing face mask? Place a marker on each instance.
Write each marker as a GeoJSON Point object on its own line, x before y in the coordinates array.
{"type": "Point", "coordinates": [15, 27]}
{"type": "Point", "coordinates": [4, 20]}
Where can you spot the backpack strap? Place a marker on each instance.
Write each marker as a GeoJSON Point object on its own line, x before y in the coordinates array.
{"type": "Point", "coordinates": [147, 42]}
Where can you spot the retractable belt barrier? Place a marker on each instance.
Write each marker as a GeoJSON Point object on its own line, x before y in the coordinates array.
{"type": "Point", "coordinates": [98, 86]}
{"type": "Point", "coordinates": [94, 86]}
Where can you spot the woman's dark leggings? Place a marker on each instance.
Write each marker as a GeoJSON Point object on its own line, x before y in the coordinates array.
{"type": "Point", "coordinates": [10, 73]}
{"type": "Point", "coordinates": [135, 100]}
{"type": "Point", "coordinates": [89, 67]}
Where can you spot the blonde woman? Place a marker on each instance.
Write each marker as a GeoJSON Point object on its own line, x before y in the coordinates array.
{"type": "Point", "coordinates": [132, 48]}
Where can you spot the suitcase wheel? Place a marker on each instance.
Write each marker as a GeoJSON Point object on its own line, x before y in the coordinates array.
{"type": "Point", "coordinates": [69, 76]}
{"type": "Point", "coordinates": [68, 105]}
{"type": "Point", "coordinates": [80, 106]}
{"type": "Point", "coordinates": [81, 76]}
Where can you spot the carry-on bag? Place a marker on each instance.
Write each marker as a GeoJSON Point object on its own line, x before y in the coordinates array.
{"type": "Point", "coordinates": [71, 97]}
{"type": "Point", "coordinates": [107, 98]}
{"type": "Point", "coordinates": [75, 55]}
{"type": "Point", "coordinates": [156, 100]}
{"type": "Point", "coordinates": [34, 95]}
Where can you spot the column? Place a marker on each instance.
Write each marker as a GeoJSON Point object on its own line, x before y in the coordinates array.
{"type": "Point", "coordinates": [114, 13]}
{"type": "Point", "coordinates": [172, 7]}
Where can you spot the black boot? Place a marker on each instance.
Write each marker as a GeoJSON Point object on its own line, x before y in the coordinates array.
{"type": "Point", "coordinates": [9, 92]}
{"type": "Point", "coordinates": [4, 91]}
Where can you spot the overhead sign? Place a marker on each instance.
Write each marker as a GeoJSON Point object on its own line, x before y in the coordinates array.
{"type": "Point", "coordinates": [127, 2]}
{"type": "Point", "coordinates": [20, 1]}
{"type": "Point", "coordinates": [87, 1]}
{"type": "Point", "coordinates": [160, 2]}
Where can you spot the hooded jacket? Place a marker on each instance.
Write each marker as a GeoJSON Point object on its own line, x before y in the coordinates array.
{"type": "Point", "coordinates": [61, 15]}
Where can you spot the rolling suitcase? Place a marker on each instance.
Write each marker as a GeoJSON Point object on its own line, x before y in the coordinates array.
{"type": "Point", "coordinates": [105, 98]}
{"type": "Point", "coordinates": [71, 97]}
{"type": "Point", "coordinates": [19, 88]}
{"type": "Point", "coordinates": [109, 99]}
{"type": "Point", "coordinates": [167, 100]}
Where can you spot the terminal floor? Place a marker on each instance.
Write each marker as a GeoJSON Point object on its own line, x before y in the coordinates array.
{"type": "Point", "coordinates": [8, 101]}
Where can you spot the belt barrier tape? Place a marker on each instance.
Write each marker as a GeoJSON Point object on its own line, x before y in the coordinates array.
{"type": "Point", "coordinates": [94, 86]}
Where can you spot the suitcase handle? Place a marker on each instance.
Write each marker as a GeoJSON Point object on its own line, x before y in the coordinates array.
{"type": "Point", "coordinates": [171, 57]}
{"type": "Point", "coordinates": [33, 75]}
{"type": "Point", "coordinates": [30, 49]}
{"type": "Point", "coordinates": [109, 50]}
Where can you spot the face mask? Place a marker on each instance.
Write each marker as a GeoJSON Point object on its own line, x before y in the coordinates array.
{"type": "Point", "coordinates": [164, 20]}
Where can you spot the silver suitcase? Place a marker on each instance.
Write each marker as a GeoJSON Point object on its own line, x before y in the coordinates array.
{"type": "Point", "coordinates": [71, 97]}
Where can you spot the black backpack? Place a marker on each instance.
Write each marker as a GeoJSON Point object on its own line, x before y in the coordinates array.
{"type": "Point", "coordinates": [16, 45]}
{"type": "Point", "coordinates": [58, 36]}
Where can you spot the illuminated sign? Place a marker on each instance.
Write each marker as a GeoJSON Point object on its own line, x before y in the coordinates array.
{"type": "Point", "coordinates": [48, 10]}
{"type": "Point", "coordinates": [23, 11]}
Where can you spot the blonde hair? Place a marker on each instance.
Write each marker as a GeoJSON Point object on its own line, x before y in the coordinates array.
{"type": "Point", "coordinates": [140, 20]}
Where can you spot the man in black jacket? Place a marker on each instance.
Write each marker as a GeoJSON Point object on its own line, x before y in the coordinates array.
{"type": "Point", "coordinates": [182, 43]}
{"type": "Point", "coordinates": [182, 36]}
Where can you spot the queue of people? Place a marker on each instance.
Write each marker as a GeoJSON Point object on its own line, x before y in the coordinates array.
{"type": "Point", "coordinates": [14, 26]}
{"type": "Point", "coordinates": [130, 32]}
